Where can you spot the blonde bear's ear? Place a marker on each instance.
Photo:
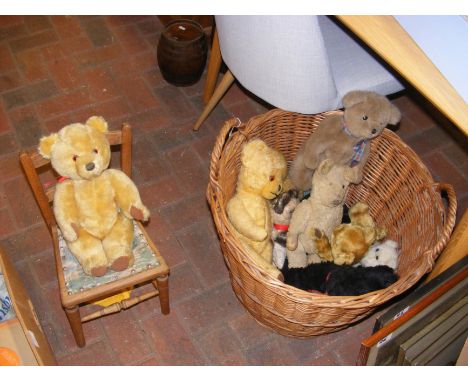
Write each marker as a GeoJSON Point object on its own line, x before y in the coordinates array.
{"type": "Point", "coordinates": [251, 151]}
{"type": "Point", "coordinates": [46, 144]}
{"type": "Point", "coordinates": [98, 123]}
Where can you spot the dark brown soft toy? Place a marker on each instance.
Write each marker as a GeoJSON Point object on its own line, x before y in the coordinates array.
{"type": "Point", "coordinates": [344, 137]}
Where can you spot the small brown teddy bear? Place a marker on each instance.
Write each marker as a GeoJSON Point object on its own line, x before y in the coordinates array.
{"type": "Point", "coordinates": [344, 137]}
{"type": "Point", "coordinates": [93, 205]}
{"type": "Point", "coordinates": [350, 242]}
{"type": "Point", "coordinates": [263, 170]}
{"type": "Point", "coordinates": [323, 210]}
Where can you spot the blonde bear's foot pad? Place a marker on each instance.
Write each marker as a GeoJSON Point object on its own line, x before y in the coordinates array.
{"type": "Point", "coordinates": [98, 271]}
{"type": "Point", "coordinates": [120, 264]}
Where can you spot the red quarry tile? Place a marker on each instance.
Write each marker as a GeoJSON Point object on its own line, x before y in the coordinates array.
{"type": "Point", "coordinates": [325, 359]}
{"type": "Point", "coordinates": [98, 32]}
{"type": "Point", "coordinates": [33, 41]}
{"type": "Point", "coordinates": [176, 103]}
{"type": "Point", "coordinates": [12, 32]}
{"type": "Point", "coordinates": [172, 344]}
{"type": "Point", "coordinates": [37, 23]}
{"type": "Point", "coordinates": [112, 110]}
{"type": "Point", "coordinates": [97, 354]}
{"type": "Point", "coordinates": [125, 336]}
{"type": "Point", "coordinates": [8, 143]}
{"type": "Point", "coordinates": [234, 95]}
{"type": "Point", "coordinates": [6, 59]}
{"type": "Point", "coordinates": [4, 123]}
{"type": "Point", "coordinates": [66, 26]}
{"type": "Point", "coordinates": [27, 126]}
{"type": "Point", "coordinates": [149, 119]}
{"type": "Point", "coordinates": [54, 124]}
{"type": "Point", "coordinates": [160, 193]}
{"type": "Point", "coordinates": [134, 64]}
{"type": "Point", "coordinates": [10, 166]}
{"type": "Point", "coordinates": [24, 244]}
{"type": "Point", "coordinates": [414, 111]}
{"type": "Point", "coordinates": [130, 39]}
{"type": "Point", "coordinates": [65, 73]}
{"type": "Point", "coordinates": [153, 361]}
{"type": "Point", "coordinates": [154, 78]}
{"type": "Point", "coordinates": [7, 226]}
{"type": "Point", "coordinates": [116, 21]}
{"type": "Point", "coordinates": [31, 64]}
{"type": "Point", "coordinates": [152, 168]}
{"type": "Point", "coordinates": [194, 209]}
{"type": "Point", "coordinates": [200, 244]}
{"type": "Point", "coordinates": [201, 313]}
{"type": "Point", "coordinates": [138, 94]}
{"type": "Point", "coordinates": [100, 84]}
{"type": "Point", "coordinates": [188, 168]}
{"type": "Point", "coordinates": [6, 21]}
{"type": "Point", "coordinates": [150, 26]}
{"type": "Point", "coordinates": [183, 283]}
{"type": "Point", "coordinates": [429, 140]}
{"type": "Point", "coordinates": [64, 103]}
{"type": "Point", "coordinates": [43, 267]}
{"type": "Point", "coordinates": [249, 332]}
{"type": "Point", "coordinates": [221, 347]}
{"type": "Point", "coordinates": [10, 80]}
{"type": "Point", "coordinates": [444, 171]}
{"type": "Point", "coordinates": [269, 354]}
{"type": "Point", "coordinates": [24, 210]}
{"type": "Point", "coordinates": [29, 94]}
{"type": "Point", "coordinates": [93, 57]}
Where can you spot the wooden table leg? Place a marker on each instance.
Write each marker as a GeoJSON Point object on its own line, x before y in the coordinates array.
{"type": "Point", "coordinates": [214, 65]}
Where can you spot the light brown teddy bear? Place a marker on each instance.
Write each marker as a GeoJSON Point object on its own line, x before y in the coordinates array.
{"type": "Point", "coordinates": [261, 176]}
{"type": "Point", "coordinates": [323, 210]}
{"type": "Point", "coordinates": [350, 242]}
{"type": "Point", "coordinates": [344, 137]}
{"type": "Point", "coordinates": [94, 206]}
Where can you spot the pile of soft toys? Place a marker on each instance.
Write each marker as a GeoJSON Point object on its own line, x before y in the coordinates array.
{"type": "Point", "coordinates": [308, 241]}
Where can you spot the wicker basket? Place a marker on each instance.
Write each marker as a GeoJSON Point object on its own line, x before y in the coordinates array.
{"type": "Point", "coordinates": [402, 197]}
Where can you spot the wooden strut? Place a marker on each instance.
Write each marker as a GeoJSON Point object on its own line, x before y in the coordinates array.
{"type": "Point", "coordinates": [118, 306]}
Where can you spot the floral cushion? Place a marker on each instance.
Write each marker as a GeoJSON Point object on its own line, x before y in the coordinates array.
{"type": "Point", "coordinates": [77, 281]}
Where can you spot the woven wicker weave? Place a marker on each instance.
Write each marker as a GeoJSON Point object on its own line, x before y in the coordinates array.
{"type": "Point", "coordinates": [402, 197]}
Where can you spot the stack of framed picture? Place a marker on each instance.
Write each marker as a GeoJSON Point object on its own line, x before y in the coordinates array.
{"type": "Point", "coordinates": [427, 327]}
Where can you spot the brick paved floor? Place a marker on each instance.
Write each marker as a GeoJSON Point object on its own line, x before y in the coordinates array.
{"type": "Point", "coordinates": [58, 70]}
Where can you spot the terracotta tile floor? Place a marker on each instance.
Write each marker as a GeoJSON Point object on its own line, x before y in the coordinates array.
{"type": "Point", "coordinates": [58, 70]}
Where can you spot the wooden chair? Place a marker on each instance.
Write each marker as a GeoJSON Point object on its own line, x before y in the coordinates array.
{"type": "Point", "coordinates": [150, 267]}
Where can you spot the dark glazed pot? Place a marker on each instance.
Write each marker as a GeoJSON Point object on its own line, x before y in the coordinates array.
{"type": "Point", "coordinates": [182, 51]}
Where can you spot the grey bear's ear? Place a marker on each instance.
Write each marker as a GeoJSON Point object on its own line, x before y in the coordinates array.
{"type": "Point", "coordinates": [395, 115]}
{"type": "Point", "coordinates": [354, 97]}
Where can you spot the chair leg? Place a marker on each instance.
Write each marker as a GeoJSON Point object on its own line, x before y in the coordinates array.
{"type": "Point", "coordinates": [74, 318]}
{"type": "Point", "coordinates": [162, 284]}
{"type": "Point", "coordinates": [222, 88]}
{"type": "Point", "coordinates": [214, 65]}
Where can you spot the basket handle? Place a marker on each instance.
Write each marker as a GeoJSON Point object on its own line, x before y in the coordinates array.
{"type": "Point", "coordinates": [450, 215]}
{"type": "Point", "coordinates": [218, 147]}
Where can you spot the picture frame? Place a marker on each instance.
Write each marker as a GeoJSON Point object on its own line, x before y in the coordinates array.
{"type": "Point", "coordinates": [381, 348]}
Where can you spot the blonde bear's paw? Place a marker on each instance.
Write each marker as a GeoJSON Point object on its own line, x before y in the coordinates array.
{"type": "Point", "coordinates": [98, 271]}
{"type": "Point", "coordinates": [121, 263]}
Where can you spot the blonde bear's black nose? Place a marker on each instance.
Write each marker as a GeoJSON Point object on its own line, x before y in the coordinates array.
{"type": "Point", "coordinates": [90, 166]}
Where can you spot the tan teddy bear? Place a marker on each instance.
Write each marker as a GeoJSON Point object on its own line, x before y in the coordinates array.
{"type": "Point", "coordinates": [350, 242]}
{"type": "Point", "coordinates": [261, 175]}
{"type": "Point", "coordinates": [323, 210]}
{"type": "Point", "coordinates": [344, 137]}
{"type": "Point", "coordinates": [94, 206]}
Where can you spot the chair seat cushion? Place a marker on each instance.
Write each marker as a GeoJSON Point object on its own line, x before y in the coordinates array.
{"type": "Point", "coordinates": [78, 281]}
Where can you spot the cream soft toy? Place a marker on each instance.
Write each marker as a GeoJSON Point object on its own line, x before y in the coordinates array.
{"type": "Point", "coordinates": [94, 206]}
{"type": "Point", "coordinates": [322, 211]}
{"type": "Point", "coordinates": [344, 137]}
{"type": "Point", "coordinates": [261, 176]}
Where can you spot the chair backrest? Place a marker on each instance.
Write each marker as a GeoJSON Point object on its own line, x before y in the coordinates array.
{"type": "Point", "coordinates": [32, 162]}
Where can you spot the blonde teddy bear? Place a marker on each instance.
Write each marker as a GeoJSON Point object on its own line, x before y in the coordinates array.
{"type": "Point", "coordinates": [93, 205]}
{"type": "Point", "coordinates": [263, 170]}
